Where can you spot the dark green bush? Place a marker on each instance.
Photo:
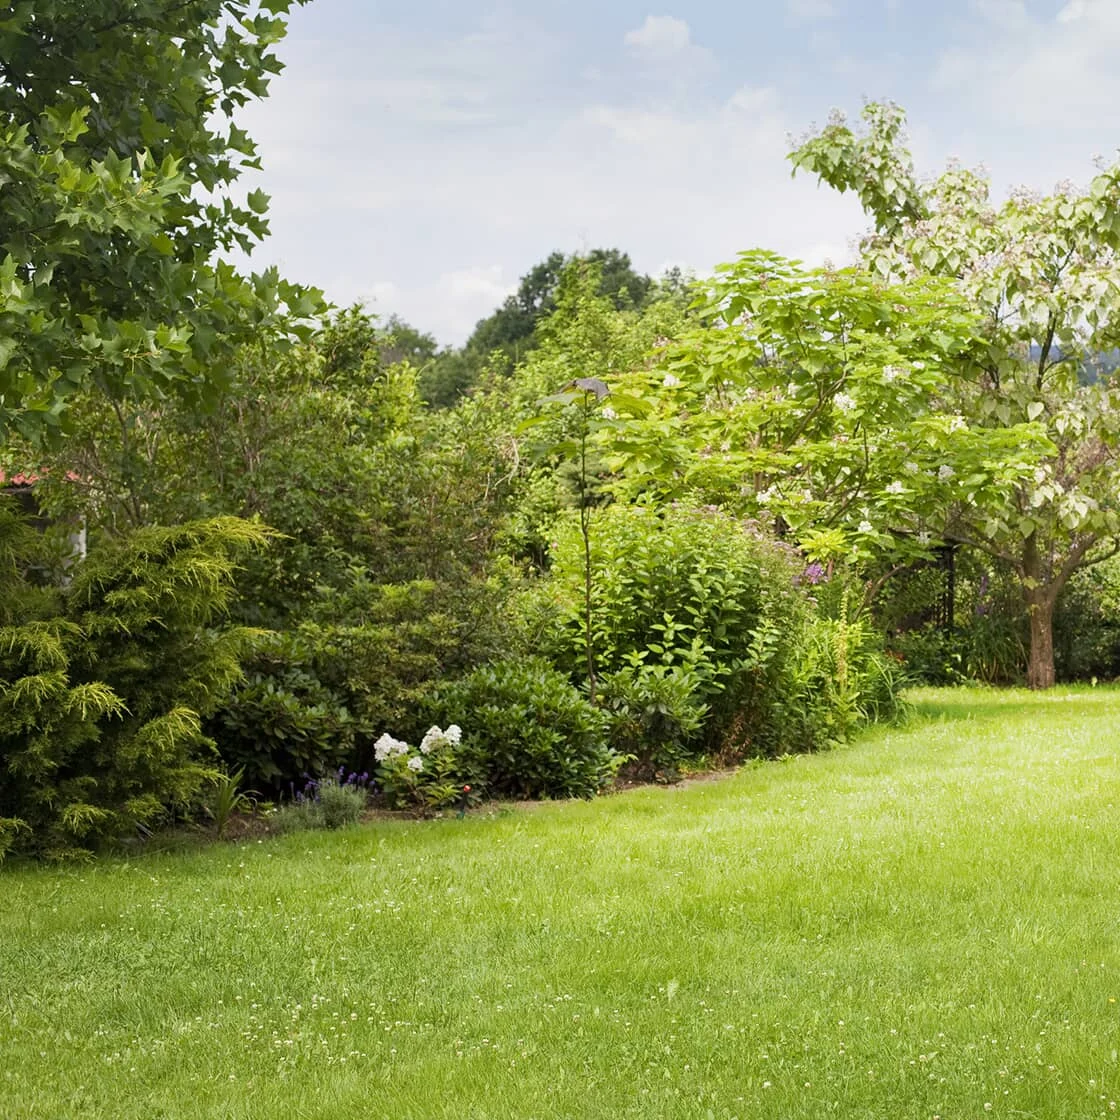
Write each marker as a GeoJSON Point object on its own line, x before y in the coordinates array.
{"type": "Point", "coordinates": [529, 730]}
{"type": "Point", "coordinates": [1087, 624]}
{"type": "Point", "coordinates": [656, 717]}
{"type": "Point", "coordinates": [316, 696]}
{"type": "Point", "coordinates": [988, 638]}
{"type": "Point", "coordinates": [101, 705]}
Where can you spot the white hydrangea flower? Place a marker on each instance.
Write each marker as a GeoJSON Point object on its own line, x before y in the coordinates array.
{"type": "Point", "coordinates": [865, 527]}
{"type": "Point", "coordinates": [416, 763]}
{"type": "Point", "coordinates": [895, 488]}
{"type": "Point", "coordinates": [765, 496]}
{"type": "Point", "coordinates": [957, 424]}
{"type": "Point", "coordinates": [453, 734]}
{"type": "Point", "coordinates": [671, 381]}
{"type": "Point", "coordinates": [911, 468]}
{"type": "Point", "coordinates": [609, 414]}
{"type": "Point", "coordinates": [945, 472]}
{"type": "Point", "coordinates": [844, 402]}
{"type": "Point", "coordinates": [431, 739]}
{"type": "Point", "coordinates": [891, 373]}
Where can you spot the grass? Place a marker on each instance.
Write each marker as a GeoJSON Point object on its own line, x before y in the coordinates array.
{"type": "Point", "coordinates": [925, 924]}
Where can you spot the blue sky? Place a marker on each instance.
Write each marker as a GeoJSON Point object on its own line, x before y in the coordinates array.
{"type": "Point", "coordinates": [422, 156]}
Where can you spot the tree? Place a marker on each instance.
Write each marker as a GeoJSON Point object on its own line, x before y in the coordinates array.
{"type": "Point", "coordinates": [506, 337]}
{"type": "Point", "coordinates": [1042, 273]}
{"type": "Point", "coordinates": [813, 398]}
{"type": "Point", "coordinates": [117, 141]}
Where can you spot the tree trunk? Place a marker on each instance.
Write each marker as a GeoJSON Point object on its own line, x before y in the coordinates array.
{"type": "Point", "coordinates": [1040, 596]}
{"type": "Point", "coordinates": [1040, 668]}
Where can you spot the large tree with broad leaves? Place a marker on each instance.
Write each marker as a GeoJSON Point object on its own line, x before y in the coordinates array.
{"type": "Point", "coordinates": [1043, 274]}
{"type": "Point", "coordinates": [117, 145]}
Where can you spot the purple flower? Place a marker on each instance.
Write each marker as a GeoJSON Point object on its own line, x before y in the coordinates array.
{"type": "Point", "coordinates": [812, 575]}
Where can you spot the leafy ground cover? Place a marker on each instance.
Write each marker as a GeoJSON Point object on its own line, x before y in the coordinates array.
{"type": "Point", "coordinates": [924, 924]}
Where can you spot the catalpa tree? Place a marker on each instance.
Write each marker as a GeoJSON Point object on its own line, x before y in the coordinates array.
{"type": "Point", "coordinates": [117, 145]}
{"type": "Point", "coordinates": [817, 398]}
{"type": "Point", "coordinates": [1041, 274]}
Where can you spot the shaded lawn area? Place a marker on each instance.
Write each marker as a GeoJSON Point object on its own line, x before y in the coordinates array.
{"type": "Point", "coordinates": [925, 923]}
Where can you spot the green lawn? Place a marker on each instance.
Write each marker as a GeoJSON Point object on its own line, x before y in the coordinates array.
{"type": "Point", "coordinates": [926, 923]}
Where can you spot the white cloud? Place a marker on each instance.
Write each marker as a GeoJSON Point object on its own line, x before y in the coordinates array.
{"type": "Point", "coordinates": [431, 207]}
{"type": "Point", "coordinates": [382, 295]}
{"type": "Point", "coordinates": [1035, 72]}
{"type": "Point", "coordinates": [810, 11]}
{"type": "Point", "coordinates": [659, 37]}
{"type": "Point", "coordinates": [469, 294]}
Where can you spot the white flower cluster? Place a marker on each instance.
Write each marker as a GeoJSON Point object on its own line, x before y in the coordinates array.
{"type": "Point", "coordinates": [844, 402]}
{"type": "Point", "coordinates": [434, 738]}
{"type": "Point", "coordinates": [890, 373]}
{"type": "Point", "coordinates": [671, 381]}
{"type": "Point", "coordinates": [387, 746]}
{"type": "Point", "coordinates": [895, 488]}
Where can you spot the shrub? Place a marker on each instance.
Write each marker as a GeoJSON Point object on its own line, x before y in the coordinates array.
{"type": "Point", "coordinates": [340, 804]}
{"type": "Point", "coordinates": [101, 705]}
{"type": "Point", "coordinates": [332, 802]}
{"type": "Point", "coordinates": [532, 733]}
{"type": "Point", "coordinates": [1087, 624]}
{"type": "Point", "coordinates": [693, 592]}
{"type": "Point", "coordinates": [698, 616]}
{"type": "Point", "coordinates": [836, 679]}
{"type": "Point", "coordinates": [315, 696]}
{"type": "Point", "coordinates": [988, 639]}
{"type": "Point", "coordinates": [656, 716]}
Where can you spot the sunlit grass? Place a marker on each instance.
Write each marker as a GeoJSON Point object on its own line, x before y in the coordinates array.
{"type": "Point", "coordinates": [926, 923]}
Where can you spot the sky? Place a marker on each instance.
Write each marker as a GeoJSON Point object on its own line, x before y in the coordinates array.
{"type": "Point", "coordinates": [421, 156]}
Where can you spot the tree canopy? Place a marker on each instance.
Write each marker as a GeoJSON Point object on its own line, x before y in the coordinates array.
{"type": "Point", "coordinates": [117, 146]}
{"type": "Point", "coordinates": [1042, 274]}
